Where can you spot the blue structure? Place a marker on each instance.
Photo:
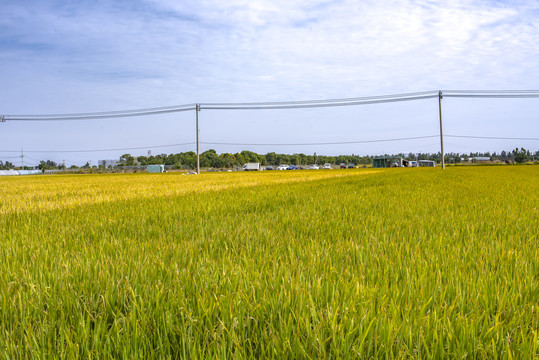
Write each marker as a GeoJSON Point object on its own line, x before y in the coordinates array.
{"type": "Point", "coordinates": [155, 168]}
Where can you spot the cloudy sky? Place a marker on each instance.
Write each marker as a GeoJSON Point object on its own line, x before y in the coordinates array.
{"type": "Point", "coordinates": [65, 56]}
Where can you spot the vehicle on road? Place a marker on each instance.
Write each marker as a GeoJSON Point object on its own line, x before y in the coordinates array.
{"type": "Point", "coordinates": [314, 167]}
{"type": "Point", "coordinates": [251, 167]}
{"type": "Point", "coordinates": [326, 166]}
{"type": "Point", "coordinates": [282, 167]}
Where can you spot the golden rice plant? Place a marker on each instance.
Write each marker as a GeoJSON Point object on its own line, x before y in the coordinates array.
{"type": "Point", "coordinates": [396, 263]}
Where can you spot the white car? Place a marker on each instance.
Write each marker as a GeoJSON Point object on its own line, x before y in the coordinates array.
{"type": "Point", "coordinates": [282, 167]}
{"type": "Point", "coordinates": [326, 166]}
{"type": "Point", "coordinates": [314, 167]}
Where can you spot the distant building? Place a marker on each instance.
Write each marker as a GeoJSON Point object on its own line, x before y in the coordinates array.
{"type": "Point", "coordinates": [19, 172]}
{"type": "Point", "coordinates": [426, 163]}
{"type": "Point", "coordinates": [107, 163]}
{"type": "Point", "coordinates": [481, 158]}
{"type": "Point", "coordinates": [155, 168]}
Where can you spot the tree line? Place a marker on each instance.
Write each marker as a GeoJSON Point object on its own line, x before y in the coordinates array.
{"type": "Point", "coordinates": [211, 159]}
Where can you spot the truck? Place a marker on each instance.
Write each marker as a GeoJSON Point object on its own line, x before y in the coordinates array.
{"type": "Point", "coordinates": [251, 167]}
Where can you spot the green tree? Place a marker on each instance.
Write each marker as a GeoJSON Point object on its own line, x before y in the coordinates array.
{"type": "Point", "coordinates": [240, 160]}
{"type": "Point", "coordinates": [250, 156]}
{"type": "Point", "coordinates": [520, 156]}
{"type": "Point", "coordinates": [271, 158]}
{"type": "Point", "coordinates": [142, 160]}
{"type": "Point", "coordinates": [5, 166]}
{"type": "Point", "coordinates": [47, 165]}
{"type": "Point", "coordinates": [127, 160]}
{"type": "Point", "coordinates": [228, 160]}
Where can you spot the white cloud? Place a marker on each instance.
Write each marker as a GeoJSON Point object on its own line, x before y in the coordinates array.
{"type": "Point", "coordinates": [105, 55]}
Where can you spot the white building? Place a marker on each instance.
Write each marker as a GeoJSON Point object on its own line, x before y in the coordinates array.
{"type": "Point", "coordinates": [481, 158]}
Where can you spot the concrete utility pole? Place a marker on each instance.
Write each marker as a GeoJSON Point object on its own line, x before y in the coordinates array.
{"type": "Point", "coordinates": [441, 131]}
{"type": "Point", "coordinates": [198, 153]}
{"type": "Point", "coordinates": [22, 159]}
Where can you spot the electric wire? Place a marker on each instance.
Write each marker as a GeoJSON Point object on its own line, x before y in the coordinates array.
{"type": "Point", "coordinates": [489, 91]}
{"type": "Point", "coordinates": [100, 150]}
{"type": "Point", "coordinates": [323, 143]}
{"type": "Point", "coordinates": [226, 106]}
{"type": "Point", "coordinates": [499, 96]}
{"type": "Point", "coordinates": [171, 107]}
{"type": "Point", "coordinates": [93, 117]}
{"type": "Point", "coordinates": [273, 144]}
{"type": "Point", "coordinates": [491, 137]}
{"type": "Point", "coordinates": [314, 105]}
{"type": "Point", "coordinates": [224, 143]}
{"type": "Point", "coordinates": [354, 101]}
{"type": "Point", "coordinates": [265, 144]}
{"type": "Point", "coordinates": [324, 100]}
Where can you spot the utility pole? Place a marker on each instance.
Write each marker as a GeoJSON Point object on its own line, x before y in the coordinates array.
{"type": "Point", "coordinates": [22, 159]}
{"type": "Point", "coordinates": [198, 153]}
{"type": "Point", "coordinates": [441, 131]}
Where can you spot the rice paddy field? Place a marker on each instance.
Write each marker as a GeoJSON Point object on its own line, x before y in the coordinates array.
{"type": "Point", "coordinates": [363, 263]}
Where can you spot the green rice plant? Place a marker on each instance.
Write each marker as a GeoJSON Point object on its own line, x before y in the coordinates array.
{"type": "Point", "coordinates": [396, 263]}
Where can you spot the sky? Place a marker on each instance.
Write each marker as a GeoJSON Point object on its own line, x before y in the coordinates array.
{"type": "Point", "coordinates": [69, 56]}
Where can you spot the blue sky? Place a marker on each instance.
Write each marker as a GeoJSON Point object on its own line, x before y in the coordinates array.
{"type": "Point", "coordinates": [80, 56]}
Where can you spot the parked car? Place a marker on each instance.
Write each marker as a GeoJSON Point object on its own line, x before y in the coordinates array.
{"type": "Point", "coordinates": [314, 167]}
{"type": "Point", "coordinates": [292, 167]}
{"type": "Point", "coordinates": [269, 167]}
{"type": "Point", "coordinates": [351, 166]}
{"type": "Point", "coordinates": [343, 166]}
{"type": "Point", "coordinates": [282, 167]}
{"type": "Point", "coordinates": [326, 166]}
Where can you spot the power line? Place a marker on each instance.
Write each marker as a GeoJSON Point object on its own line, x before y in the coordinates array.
{"type": "Point", "coordinates": [278, 106]}
{"type": "Point", "coordinates": [224, 143]}
{"type": "Point", "coordinates": [226, 106]}
{"type": "Point", "coordinates": [499, 96]}
{"type": "Point", "coordinates": [324, 143]}
{"type": "Point", "coordinates": [92, 117]}
{"type": "Point", "coordinates": [355, 101]}
{"type": "Point", "coordinates": [270, 144]}
{"type": "Point", "coordinates": [489, 91]}
{"type": "Point", "coordinates": [161, 108]}
{"type": "Point", "coordinates": [100, 150]}
{"type": "Point", "coordinates": [492, 137]}
{"type": "Point", "coordinates": [365, 98]}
